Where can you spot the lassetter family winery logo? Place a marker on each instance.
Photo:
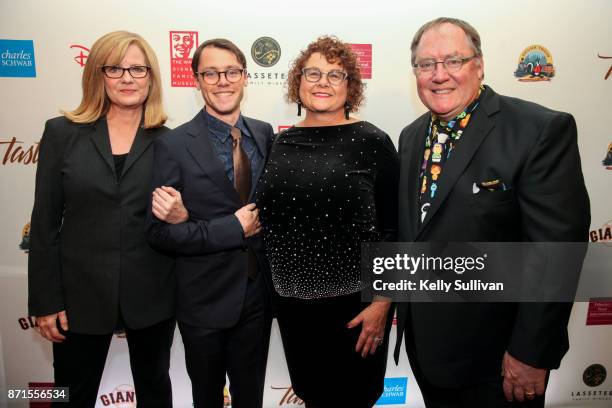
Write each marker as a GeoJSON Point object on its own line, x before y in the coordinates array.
{"type": "Point", "coordinates": [182, 46]}
{"type": "Point", "coordinates": [17, 152]}
{"type": "Point", "coordinates": [594, 375]}
{"type": "Point", "coordinates": [603, 234]}
{"type": "Point", "coordinates": [123, 396]}
{"type": "Point", "coordinates": [607, 75]}
{"type": "Point", "coordinates": [24, 245]}
{"type": "Point", "coordinates": [83, 54]}
{"type": "Point", "coordinates": [535, 64]}
{"type": "Point", "coordinates": [607, 161]}
{"type": "Point", "coordinates": [265, 51]}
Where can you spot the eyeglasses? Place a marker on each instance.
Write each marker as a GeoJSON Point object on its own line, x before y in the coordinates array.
{"type": "Point", "coordinates": [452, 64]}
{"type": "Point", "coordinates": [136, 71]}
{"type": "Point", "coordinates": [212, 77]}
{"type": "Point", "coordinates": [335, 77]}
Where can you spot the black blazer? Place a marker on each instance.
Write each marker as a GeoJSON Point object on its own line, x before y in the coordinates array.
{"type": "Point", "coordinates": [534, 151]}
{"type": "Point", "coordinates": [212, 255]}
{"type": "Point", "coordinates": [88, 251]}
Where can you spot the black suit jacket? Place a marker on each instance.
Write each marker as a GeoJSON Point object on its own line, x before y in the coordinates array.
{"type": "Point", "coordinates": [534, 151]}
{"type": "Point", "coordinates": [212, 254]}
{"type": "Point", "coordinates": [88, 251]}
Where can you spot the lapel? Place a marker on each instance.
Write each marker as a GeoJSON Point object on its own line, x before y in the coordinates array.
{"type": "Point", "coordinates": [416, 148]}
{"type": "Point", "coordinates": [479, 127]}
{"type": "Point", "coordinates": [202, 151]}
{"type": "Point", "coordinates": [260, 140]}
{"type": "Point", "coordinates": [101, 141]}
{"type": "Point", "coordinates": [139, 145]}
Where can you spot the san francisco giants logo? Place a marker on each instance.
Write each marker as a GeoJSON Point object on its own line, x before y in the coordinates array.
{"type": "Point", "coordinates": [81, 59]}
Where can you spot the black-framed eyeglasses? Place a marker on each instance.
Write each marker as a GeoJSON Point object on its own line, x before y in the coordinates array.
{"type": "Point", "coordinates": [452, 64]}
{"type": "Point", "coordinates": [115, 71]}
{"type": "Point", "coordinates": [335, 76]}
{"type": "Point", "coordinates": [212, 77]}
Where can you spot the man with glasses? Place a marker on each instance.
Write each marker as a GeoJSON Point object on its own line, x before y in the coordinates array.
{"type": "Point", "coordinates": [205, 172]}
{"type": "Point", "coordinates": [482, 167]}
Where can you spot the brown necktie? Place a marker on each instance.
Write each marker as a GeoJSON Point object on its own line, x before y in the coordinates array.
{"type": "Point", "coordinates": [242, 183]}
{"type": "Point", "coordinates": [242, 167]}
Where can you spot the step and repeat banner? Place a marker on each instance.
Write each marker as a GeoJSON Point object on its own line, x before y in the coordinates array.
{"type": "Point", "coordinates": [44, 46]}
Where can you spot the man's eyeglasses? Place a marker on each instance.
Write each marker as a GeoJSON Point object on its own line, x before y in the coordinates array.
{"type": "Point", "coordinates": [452, 64]}
{"type": "Point", "coordinates": [335, 77]}
{"type": "Point", "coordinates": [136, 71]}
{"type": "Point", "coordinates": [212, 77]}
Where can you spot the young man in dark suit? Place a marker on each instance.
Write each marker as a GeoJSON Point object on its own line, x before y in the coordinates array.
{"type": "Point", "coordinates": [481, 167]}
{"type": "Point", "coordinates": [204, 175]}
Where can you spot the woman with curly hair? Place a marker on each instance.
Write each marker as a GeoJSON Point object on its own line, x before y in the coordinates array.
{"type": "Point", "coordinates": [329, 185]}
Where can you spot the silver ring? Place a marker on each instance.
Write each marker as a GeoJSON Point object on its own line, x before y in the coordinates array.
{"type": "Point", "coordinates": [379, 340]}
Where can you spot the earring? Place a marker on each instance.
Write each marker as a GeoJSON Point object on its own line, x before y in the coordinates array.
{"type": "Point", "coordinates": [299, 104]}
{"type": "Point", "coordinates": [346, 111]}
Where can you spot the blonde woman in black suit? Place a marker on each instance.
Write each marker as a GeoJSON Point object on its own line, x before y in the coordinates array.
{"type": "Point", "coordinates": [90, 269]}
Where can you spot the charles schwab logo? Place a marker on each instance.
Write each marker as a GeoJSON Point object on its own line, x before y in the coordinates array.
{"type": "Point", "coordinates": [394, 391]}
{"type": "Point", "coordinates": [535, 64]}
{"type": "Point", "coordinates": [266, 53]}
{"type": "Point", "coordinates": [593, 377]}
{"type": "Point", "coordinates": [17, 58]}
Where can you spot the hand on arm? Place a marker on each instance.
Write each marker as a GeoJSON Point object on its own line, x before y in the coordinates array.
{"type": "Point", "coordinates": [167, 205]}
{"type": "Point", "coordinates": [249, 220]}
{"type": "Point", "coordinates": [373, 320]}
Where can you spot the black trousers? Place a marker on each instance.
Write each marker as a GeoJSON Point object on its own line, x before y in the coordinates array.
{"type": "Point", "coordinates": [488, 394]}
{"type": "Point", "coordinates": [240, 351]}
{"type": "Point", "coordinates": [79, 363]}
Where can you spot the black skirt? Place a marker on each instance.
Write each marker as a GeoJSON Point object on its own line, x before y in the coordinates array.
{"type": "Point", "coordinates": [323, 365]}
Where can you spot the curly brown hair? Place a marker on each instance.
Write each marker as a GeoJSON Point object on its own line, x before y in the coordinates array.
{"type": "Point", "coordinates": [334, 51]}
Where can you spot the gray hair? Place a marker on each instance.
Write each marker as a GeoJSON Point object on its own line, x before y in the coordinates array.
{"type": "Point", "coordinates": [470, 32]}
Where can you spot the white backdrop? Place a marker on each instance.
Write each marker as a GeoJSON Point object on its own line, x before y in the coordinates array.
{"type": "Point", "coordinates": [577, 34]}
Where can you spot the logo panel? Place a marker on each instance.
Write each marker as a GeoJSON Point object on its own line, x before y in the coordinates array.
{"type": "Point", "coordinates": [364, 59]}
{"type": "Point", "coordinates": [182, 46]}
{"type": "Point", "coordinates": [607, 161]}
{"type": "Point", "coordinates": [394, 391]}
{"type": "Point", "coordinates": [83, 54]}
{"type": "Point", "coordinates": [265, 51]}
{"type": "Point", "coordinates": [600, 312]}
{"type": "Point", "coordinates": [535, 64]}
{"type": "Point", "coordinates": [17, 58]}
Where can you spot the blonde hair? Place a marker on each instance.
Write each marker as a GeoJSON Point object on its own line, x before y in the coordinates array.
{"type": "Point", "coordinates": [110, 49]}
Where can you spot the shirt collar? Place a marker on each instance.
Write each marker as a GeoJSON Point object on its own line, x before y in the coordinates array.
{"type": "Point", "coordinates": [220, 129]}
